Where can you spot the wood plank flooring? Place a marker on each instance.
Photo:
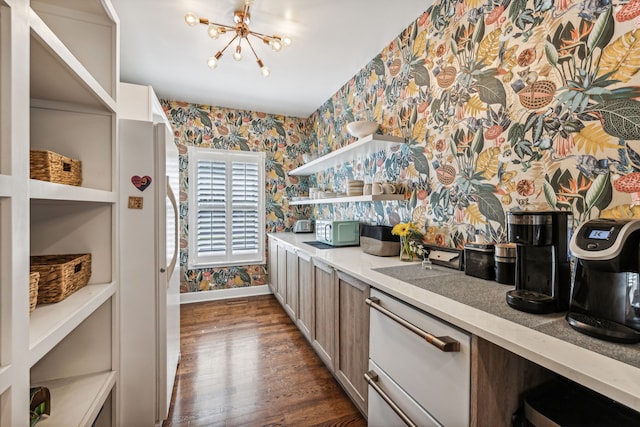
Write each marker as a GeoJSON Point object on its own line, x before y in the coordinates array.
{"type": "Point", "coordinates": [244, 363]}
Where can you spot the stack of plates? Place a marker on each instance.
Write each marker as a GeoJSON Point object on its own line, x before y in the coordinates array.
{"type": "Point", "coordinates": [354, 187]}
{"type": "Point", "coordinates": [328, 194]}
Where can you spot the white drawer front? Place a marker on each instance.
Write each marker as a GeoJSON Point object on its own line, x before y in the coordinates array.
{"type": "Point", "coordinates": [380, 414]}
{"type": "Point", "coordinates": [439, 381]}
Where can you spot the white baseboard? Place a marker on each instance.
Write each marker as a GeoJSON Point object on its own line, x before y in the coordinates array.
{"type": "Point", "coordinates": [219, 294]}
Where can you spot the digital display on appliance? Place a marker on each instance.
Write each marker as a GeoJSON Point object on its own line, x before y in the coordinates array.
{"type": "Point", "coordinates": [599, 234]}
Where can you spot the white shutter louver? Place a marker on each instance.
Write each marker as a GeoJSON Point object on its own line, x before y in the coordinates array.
{"type": "Point", "coordinates": [227, 225]}
{"type": "Point", "coordinates": [245, 199]}
{"type": "Point", "coordinates": [212, 200]}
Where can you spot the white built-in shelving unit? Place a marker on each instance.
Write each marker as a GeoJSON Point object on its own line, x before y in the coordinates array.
{"type": "Point", "coordinates": [59, 76]}
{"type": "Point", "coordinates": [363, 147]}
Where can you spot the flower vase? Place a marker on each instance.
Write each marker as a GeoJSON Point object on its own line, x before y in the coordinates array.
{"type": "Point", "coordinates": [406, 254]}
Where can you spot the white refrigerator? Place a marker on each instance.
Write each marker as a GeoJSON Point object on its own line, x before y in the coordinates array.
{"type": "Point", "coordinates": [149, 268]}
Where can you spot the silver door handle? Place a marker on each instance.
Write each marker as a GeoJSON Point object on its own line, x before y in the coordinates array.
{"type": "Point", "coordinates": [443, 343]}
{"type": "Point", "coordinates": [176, 247]}
{"type": "Point", "coordinates": [372, 379]}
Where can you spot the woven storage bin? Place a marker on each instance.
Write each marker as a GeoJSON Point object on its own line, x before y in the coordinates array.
{"type": "Point", "coordinates": [33, 290]}
{"type": "Point", "coordinates": [60, 275]}
{"type": "Point", "coordinates": [49, 166]}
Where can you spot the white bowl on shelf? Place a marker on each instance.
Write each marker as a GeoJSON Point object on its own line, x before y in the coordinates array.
{"type": "Point", "coordinates": [306, 157]}
{"type": "Point", "coordinates": [362, 128]}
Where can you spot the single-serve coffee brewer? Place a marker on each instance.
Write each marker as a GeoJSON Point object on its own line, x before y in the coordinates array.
{"type": "Point", "coordinates": [543, 271]}
{"type": "Point", "coordinates": [605, 295]}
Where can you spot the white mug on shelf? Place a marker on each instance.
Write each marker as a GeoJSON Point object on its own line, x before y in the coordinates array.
{"type": "Point", "coordinates": [377, 188]}
{"type": "Point", "coordinates": [388, 188]}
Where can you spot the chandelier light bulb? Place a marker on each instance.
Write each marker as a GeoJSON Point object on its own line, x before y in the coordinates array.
{"type": "Point", "coordinates": [286, 41]}
{"type": "Point", "coordinates": [191, 19]}
{"type": "Point", "coordinates": [263, 68]}
{"type": "Point", "coordinates": [276, 45]}
{"type": "Point", "coordinates": [212, 62]}
{"type": "Point", "coordinates": [237, 55]}
{"type": "Point", "coordinates": [213, 32]}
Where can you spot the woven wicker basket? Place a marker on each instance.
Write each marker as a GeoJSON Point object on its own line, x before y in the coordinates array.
{"type": "Point", "coordinates": [446, 77]}
{"type": "Point", "coordinates": [49, 166]}
{"type": "Point", "coordinates": [537, 95]}
{"type": "Point", "coordinates": [33, 290]}
{"type": "Point", "coordinates": [446, 174]}
{"type": "Point", "coordinates": [60, 275]}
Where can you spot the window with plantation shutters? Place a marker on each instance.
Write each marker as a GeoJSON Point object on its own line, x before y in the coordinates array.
{"type": "Point", "coordinates": [226, 208]}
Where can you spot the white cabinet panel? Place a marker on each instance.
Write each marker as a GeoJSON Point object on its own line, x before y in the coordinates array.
{"type": "Point", "coordinates": [439, 381]}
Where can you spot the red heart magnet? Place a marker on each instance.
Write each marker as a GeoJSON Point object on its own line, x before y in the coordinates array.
{"type": "Point", "coordinates": [141, 182]}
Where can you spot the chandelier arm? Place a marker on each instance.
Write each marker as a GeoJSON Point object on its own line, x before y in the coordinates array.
{"type": "Point", "coordinates": [252, 49]}
{"type": "Point", "coordinates": [207, 23]}
{"type": "Point", "coordinates": [229, 44]}
{"type": "Point", "coordinates": [262, 36]}
{"type": "Point", "coordinates": [246, 8]}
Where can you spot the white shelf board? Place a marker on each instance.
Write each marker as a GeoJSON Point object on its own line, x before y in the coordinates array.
{"type": "Point", "coordinates": [77, 401]}
{"type": "Point", "coordinates": [57, 75]}
{"type": "Point", "coordinates": [348, 199]}
{"type": "Point", "coordinates": [6, 186]}
{"type": "Point", "coordinates": [362, 147]}
{"type": "Point", "coordinates": [51, 323]}
{"type": "Point", "coordinates": [51, 191]}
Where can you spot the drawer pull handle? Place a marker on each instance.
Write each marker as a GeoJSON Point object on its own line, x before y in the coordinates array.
{"type": "Point", "coordinates": [443, 343]}
{"type": "Point", "coordinates": [372, 379]}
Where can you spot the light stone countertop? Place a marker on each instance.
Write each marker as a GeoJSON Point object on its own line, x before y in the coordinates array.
{"type": "Point", "coordinates": [479, 307]}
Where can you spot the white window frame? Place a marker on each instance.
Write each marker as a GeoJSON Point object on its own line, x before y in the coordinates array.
{"type": "Point", "coordinates": [197, 260]}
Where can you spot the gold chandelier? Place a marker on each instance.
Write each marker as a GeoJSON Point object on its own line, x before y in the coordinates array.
{"type": "Point", "coordinates": [242, 18]}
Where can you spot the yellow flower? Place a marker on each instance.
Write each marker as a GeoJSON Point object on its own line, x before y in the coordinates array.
{"type": "Point", "coordinates": [403, 229]}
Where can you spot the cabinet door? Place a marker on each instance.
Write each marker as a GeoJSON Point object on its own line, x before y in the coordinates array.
{"type": "Point", "coordinates": [324, 322]}
{"type": "Point", "coordinates": [291, 291]}
{"type": "Point", "coordinates": [281, 279]}
{"type": "Point", "coordinates": [305, 295]}
{"type": "Point", "coordinates": [273, 266]}
{"type": "Point", "coordinates": [353, 338]}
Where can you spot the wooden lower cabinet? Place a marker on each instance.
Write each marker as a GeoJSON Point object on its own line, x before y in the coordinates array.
{"type": "Point", "coordinates": [273, 265]}
{"type": "Point", "coordinates": [305, 295]}
{"type": "Point", "coordinates": [281, 276]}
{"type": "Point", "coordinates": [324, 320]}
{"type": "Point", "coordinates": [329, 308]}
{"type": "Point", "coordinates": [353, 338]}
{"type": "Point", "coordinates": [291, 288]}
{"type": "Point", "coordinates": [499, 379]}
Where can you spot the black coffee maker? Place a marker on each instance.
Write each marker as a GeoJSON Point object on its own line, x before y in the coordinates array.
{"type": "Point", "coordinates": [605, 294]}
{"type": "Point", "coordinates": [543, 271]}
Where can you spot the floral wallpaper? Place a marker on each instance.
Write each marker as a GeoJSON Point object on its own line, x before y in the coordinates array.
{"type": "Point", "coordinates": [504, 104]}
{"type": "Point", "coordinates": [283, 139]}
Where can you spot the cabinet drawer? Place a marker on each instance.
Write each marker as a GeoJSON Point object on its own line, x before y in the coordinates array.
{"type": "Point", "coordinates": [439, 381]}
{"type": "Point", "coordinates": [380, 413]}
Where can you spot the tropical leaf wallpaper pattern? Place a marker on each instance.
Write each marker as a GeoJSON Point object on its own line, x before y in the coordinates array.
{"type": "Point", "coordinates": [282, 138]}
{"type": "Point", "coordinates": [504, 104]}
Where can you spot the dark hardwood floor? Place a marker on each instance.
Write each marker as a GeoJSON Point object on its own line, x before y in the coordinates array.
{"type": "Point", "coordinates": [244, 363]}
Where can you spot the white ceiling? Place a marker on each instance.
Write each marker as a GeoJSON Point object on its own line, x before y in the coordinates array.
{"type": "Point", "coordinates": [332, 41]}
